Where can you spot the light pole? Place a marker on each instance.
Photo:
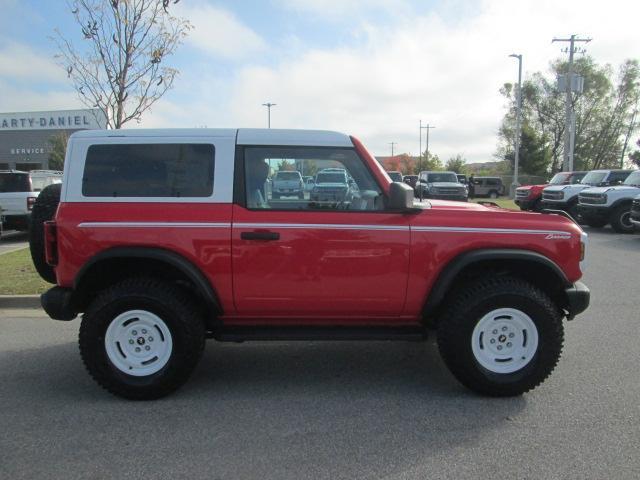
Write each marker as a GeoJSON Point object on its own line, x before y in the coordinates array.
{"type": "Point", "coordinates": [515, 183]}
{"type": "Point", "coordinates": [392, 144]}
{"type": "Point", "coordinates": [268, 105]}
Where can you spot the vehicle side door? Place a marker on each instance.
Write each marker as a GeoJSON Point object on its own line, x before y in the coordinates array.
{"type": "Point", "coordinates": [335, 253]}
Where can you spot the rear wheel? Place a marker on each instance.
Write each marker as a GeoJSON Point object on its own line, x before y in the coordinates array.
{"type": "Point", "coordinates": [501, 337]}
{"type": "Point", "coordinates": [141, 339]}
{"type": "Point", "coordinates": [493, 194]}
{"type": "Point", "coordinates": [44, 210]}
{"type": "Point", "coordinates": [621, 219]}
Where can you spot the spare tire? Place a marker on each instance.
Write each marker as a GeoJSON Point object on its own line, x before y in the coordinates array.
{"type": "Point", "coordinates": [43, 210]}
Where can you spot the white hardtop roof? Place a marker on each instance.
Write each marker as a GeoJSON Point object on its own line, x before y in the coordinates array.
{"type": "Point", "coordinates": [245, 136]}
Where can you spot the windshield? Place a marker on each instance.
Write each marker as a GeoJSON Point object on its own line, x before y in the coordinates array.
{"type": "Point", "coordinates": [560, 178]}
{"type": "Point", "coordinates": [633, 179]}
{"type": "Point", "coordinates": [395, 176]}
{"type": "Point", "coordinates": [287, 176]}
{"type": "Point", "coordinates": [594, 178]}
{"type": "Point", "coordinates": [14, 182]}
{"type": "Point", "coordinates": [442, 177]}
{"type": "Point", "coordinates": [331, 178]}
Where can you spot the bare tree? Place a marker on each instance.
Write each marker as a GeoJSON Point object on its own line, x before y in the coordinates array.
{"type": "Point", "coordinates": [119, 66]}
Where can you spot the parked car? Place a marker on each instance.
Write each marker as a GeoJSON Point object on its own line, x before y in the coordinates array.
{"type": "Point", "coordinates": [158, 262]}
{"type": "Point", "coordinates": [410, 180]}
{"type": "Point", "coordinates": [565, 197]}
{"type": "Point", "coordinates": [287, 184]}
{"type": "Point", "coordinates": [529, 197]}
{"type": "Point", "coordinates": [332, 185]}
{"type": "Point", "coordinates": [18, 193]}
{"type": "Point", "coordinates": [635, 213]}
{"type": "Point", "coordinates": [491, 187]}
{"type": "Point", "coordinates": [598, 206]}
{"type": "Point", "coordinates": [395, 176]}
{"type": "Point", "coordinates": [441, 185]}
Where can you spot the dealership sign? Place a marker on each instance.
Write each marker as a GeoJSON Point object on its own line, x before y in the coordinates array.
{"type": "Point", "coordinates": [56, 120]}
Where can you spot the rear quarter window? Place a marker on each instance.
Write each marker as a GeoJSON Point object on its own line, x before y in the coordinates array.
{"type": "Point", "coordinates": [149, 170]}
{"type": "Point", "coordinates": [14, 182]}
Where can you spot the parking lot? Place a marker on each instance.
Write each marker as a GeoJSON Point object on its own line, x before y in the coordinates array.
{"type": "Point", "coordinates": [12, 240]}
{"type": "Point", "coordinates": [334, 410]}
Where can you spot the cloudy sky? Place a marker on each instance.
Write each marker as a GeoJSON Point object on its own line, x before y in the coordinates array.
{"type": "Point", "coordinates": [370, 68]}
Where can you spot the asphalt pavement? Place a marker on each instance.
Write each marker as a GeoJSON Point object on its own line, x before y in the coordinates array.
{"type": "Point", "coordinates": [12, 240]}
{"type": "Point", "coordinates": [335, 410]}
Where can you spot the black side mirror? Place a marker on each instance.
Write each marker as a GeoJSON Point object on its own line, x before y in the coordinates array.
{"type": "Point", "coordinates": [401, 197]}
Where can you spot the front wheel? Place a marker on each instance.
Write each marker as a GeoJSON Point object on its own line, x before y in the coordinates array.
{"type": "Point", "coordinates": [493, 195]}
{"type": "Point", "coordinates": [141, 338]}
{"type": "Point", "coordinates": [621, 219]}
{"type": "Point", "coordinates": [501, 337]}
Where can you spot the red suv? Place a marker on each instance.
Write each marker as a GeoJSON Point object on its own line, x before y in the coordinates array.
{"type": "Point", "coordinates": [529, 197]}
{"type": "Point", "coordinates": [163, 238]}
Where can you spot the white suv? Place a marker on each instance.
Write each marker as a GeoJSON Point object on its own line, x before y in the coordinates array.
{"type": "Point", "coordinates": [565, 197]}
{"type": "Point", "coordinates": [18, 193]}
{"type": "Point", "coordinates": [601, 205]}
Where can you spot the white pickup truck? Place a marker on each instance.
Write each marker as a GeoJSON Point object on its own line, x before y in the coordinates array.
{"type": "Point", "coordinates": [18, 193]}
{"type": "Point", "coordinates": [287, 183]}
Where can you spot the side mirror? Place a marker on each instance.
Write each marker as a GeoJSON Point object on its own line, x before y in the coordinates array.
{"type": "Point", "coordinates": [400, 197]}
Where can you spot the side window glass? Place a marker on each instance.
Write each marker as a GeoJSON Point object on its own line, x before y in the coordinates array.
{"type": "Point", "coordinates": [308, 178]}
{"type": "Point", "coordinates": [149, 170]}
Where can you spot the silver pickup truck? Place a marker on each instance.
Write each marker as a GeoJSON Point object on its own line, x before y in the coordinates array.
{"type": "Point", "coordinates": [18, 193]}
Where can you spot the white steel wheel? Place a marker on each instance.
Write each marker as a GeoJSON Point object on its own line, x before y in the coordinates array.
{"type": "Point", "coordinates": [138, 343]}
{"type": "Point", "coordinates": [505, 340]}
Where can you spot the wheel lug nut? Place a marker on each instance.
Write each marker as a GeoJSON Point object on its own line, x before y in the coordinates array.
{"type": "Point", "coordinates": [151, 339]}
{"type": "Point", "coordinates": [131, 341]}
{"type": "Point", "coordinates": [495, 332]}
{"type": "Point", "coordinates": [147, 348]}
{"type": "Point", "coordinates": [493, 340]}
{"type": "Point", "coordinates": [144, 331]}
{"type": "Point", "coordinates": [134, 332]}
{"type": "Point", "coordinates": [504, 329]}
{"type": "Point", "coordinates": [137, 349]}
{"type": "Point", "coordinates": [508, 344]}
{"type": "Point", "coordinates": [499, 347]}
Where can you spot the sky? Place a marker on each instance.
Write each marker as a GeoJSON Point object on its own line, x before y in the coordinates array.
{"type": "Point", "coordinates": [369, 68]}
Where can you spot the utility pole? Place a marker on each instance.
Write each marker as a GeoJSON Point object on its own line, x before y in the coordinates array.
{"type": "Point", "coordinates": [268, 105]}
{"type": "Point", "coordinates": [515, 183]}
{"type": "Point", "coordinates": [392, 144]}
{"type": "Point", "coordinates": [428, 127]}
{"type": "Point", "coordinates": [569, 86]}
{"type": "Point", "coordinates": [420, 149]}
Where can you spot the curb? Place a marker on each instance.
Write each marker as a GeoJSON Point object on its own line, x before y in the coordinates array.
{"type": "Point", "coordinates": [20, 301]}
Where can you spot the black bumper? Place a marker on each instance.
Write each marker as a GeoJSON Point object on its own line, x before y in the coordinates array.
{"type": "Point", "coordinates": [578, 296]}
{"type": "Point", "coordinates": [58, 303]}
{"type": "Point", "coordinates": [596, 213]}
{"type": "Point", "coordinates": [525, 204]}
{"type": "Point", "coordinates": [556, 205]}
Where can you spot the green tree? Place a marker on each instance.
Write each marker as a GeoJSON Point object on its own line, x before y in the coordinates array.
{"type": "Point", "coordinates": [635, 156]}
{"type": "Point", "coordinates": [456, 164]}
{"type": "Point", "coordinates": [119, 64]}
{"type": "Point", "coordinates": [431, 162]}
{"type": "Point", "coordinates": [285, 164]}
{"type": "Point", "coordinates": [603, 115]}
{"type": "Point", "coordinates": [58, 144]}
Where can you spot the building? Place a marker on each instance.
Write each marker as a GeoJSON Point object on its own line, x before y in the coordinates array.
{"type": "Point", "coordinates": [25, 138]}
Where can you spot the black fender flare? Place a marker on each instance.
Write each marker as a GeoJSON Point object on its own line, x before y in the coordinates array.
{"type": "Point", "coordinates": [186, 267]}
{"type": "Point", "coordinates": [448, 274]}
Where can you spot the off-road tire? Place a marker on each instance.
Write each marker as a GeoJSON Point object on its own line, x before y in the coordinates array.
{"type": "Point", "coordinates": [620, 219]}
{"type": "Point", "coordinates": [493, 194]}
{"type": "Point", "coordinates": [537, 206]}
{"type": "Point", "coordinates": [43, 210]}
{"type": "Point", "coordinates": [465, 310]}
{"type": "Point", "coordinates": [176, 309]}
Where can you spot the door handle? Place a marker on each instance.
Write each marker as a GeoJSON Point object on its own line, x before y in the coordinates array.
{"type": "Point", "coordinates": [268, 236]}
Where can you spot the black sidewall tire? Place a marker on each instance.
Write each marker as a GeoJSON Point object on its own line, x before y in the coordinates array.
{"type": "Point", "coordinates": [43, 210]}
{"type": "Point", "coordinates": [454, 341]}
{"type": "Point", "coordinates": [617, 217]}
{"type": "Point", "coordinates": [187, 334]}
